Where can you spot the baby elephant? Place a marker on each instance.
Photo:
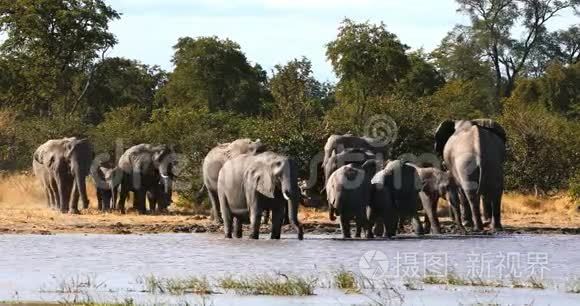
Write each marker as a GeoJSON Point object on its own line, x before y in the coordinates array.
{"type": "Point", "coordinates": [395, 196]}
{"type": "Point", "coordinates": [107, 181]}
{"type": "Point", "coordinates": [348, 190]}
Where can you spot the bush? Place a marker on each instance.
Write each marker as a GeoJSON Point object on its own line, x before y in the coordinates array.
{"type": "Point", "coordinates": [543, 148]}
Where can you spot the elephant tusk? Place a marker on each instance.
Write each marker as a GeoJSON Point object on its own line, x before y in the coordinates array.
{"type": "Point", "coordinates": [286, 196]}
{"type": "Point", "coordinates": [165, 176]}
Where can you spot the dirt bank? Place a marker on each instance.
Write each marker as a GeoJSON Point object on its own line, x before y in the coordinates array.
{"type": "Point", "coordinates": [22, 212]}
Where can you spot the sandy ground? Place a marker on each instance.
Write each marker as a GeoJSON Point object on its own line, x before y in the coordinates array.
{"type": "Point", "coordinates": [22, 211]}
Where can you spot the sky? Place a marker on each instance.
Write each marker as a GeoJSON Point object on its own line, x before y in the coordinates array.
{"type": "Point", "coordinates": [272, 32]}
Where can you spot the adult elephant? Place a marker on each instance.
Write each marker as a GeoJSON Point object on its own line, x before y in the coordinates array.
{"type": "Point", "coordinates": [338, 143]}
{"type": "Point", "coordinates": [62, 166]}
{"type": "Point", "coordinates": [348, 191]}
{"type": "Point", "coordinates": [146, 168]}
{"type": "Point", "coordinates": [214, 161]}
{"type": "Point", "coordinates": [348, 156]}
{"type": "Point", "coordinates": [474, 152]}
{"type": "Point", "coordinates": [248, 184]}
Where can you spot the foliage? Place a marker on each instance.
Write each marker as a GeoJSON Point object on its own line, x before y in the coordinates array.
{"type": "Point", "coordinates": [213, 73]}
{"type": "Point", "coordinates": [55, 81]}
{"type": "Point", "coordinates": [49, 44]}
{"type": "Point", "coordinates": [492, 24]}
{"type": "Point", "coordinates": [368, 60]}
{"type": "Point", "coordinates": [118, 82]}
{"type": "Point", "coordinates": [534, 134]}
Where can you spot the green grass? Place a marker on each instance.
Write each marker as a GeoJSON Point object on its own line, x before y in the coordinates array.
{"type": "Point", "coordinates": [176, 286]}
{"type": "Point", "coordinates": [281, 285]}
{"type": "Point", "coordinates": [346, 281]}
{"type": "Point", "coordinates": [453, 279]}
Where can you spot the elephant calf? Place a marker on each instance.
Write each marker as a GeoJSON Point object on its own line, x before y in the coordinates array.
{"type": "Point", "coordinates": [395, 196]}
{"type": "Point", "coordinates": [107, 181]}
{"type": "Point", "coordinates": [348, 190]}
{"type": "Point", "coordinates": [435, 184]}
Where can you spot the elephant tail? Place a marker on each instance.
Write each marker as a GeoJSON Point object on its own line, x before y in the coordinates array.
{"type": "Point", "coordinates": [200, 193]}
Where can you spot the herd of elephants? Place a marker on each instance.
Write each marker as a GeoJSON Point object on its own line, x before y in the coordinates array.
{"type": "Point", "coordinates": [246, 182]}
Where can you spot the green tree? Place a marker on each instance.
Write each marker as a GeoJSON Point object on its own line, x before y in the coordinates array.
{"type": "Point", "coordinates": [118, 82]}
{"type": "Point", "coordinates": [492, 23]}
{"type": "Point", "coordinates": [298, 96]}
{"type": "Point", "coordinates": [369, 61]}
{"type": "Point", "coordinates": [49, 43]}
{"type": "Point", "coordinates": [459, 57]}
{"type": "Point", "coordinates": [422, 79]}
{"type": "Point", "coordinates": [557, 90]}
{"type": "Point", "coordinates": [215, 74]}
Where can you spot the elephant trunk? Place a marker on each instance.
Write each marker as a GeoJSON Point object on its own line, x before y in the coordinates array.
{"type": "Point", "coordinates": [293, 212]}
{"type": "Point", "coordinates": [82, 187]}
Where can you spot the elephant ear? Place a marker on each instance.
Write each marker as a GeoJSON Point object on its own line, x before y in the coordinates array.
{"type": "Point", "coordinates": [263, 178]}
{"type": "Point", "coordinates": [445, 130]}
{"type": "Point", "coordinates": [492, 126]}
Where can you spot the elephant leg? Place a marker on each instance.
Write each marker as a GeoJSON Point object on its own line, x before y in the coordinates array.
{"type": "Point", "coordinates": [255, 221]}
{"type": "Point", "coordinates": [277, 220]}
{"type": "Point", "coordinates": [152, 199]}
{"type": "Point", "coordinates": [237, 225]}
{"type": "Point", "coordinates": [63, 194]}
{"type": "Point", "coordinates": [473, 199]}
{"type": "Point", "coordinates": [52, 196]}
{"type": "Point", "coordinates": [139, 201]}
{"type": "Point", "coordinates": [358, 227]}
{"type": "Point", "coordinates": [379, 228]}
{"type": "Point", "coordinates": [391, 224]}
{"type": "Point", "coordinates": [486, 205]}
{"type": "Point", "coordinates": [55, 193]}
{"type": "Point", "coordinates": [466, 213]}
{"type": "Point", "coordinates": [226, 216]}
{"type": "Point", "coordinates": [496, 212]}
{"type": "Point", "coordinates": [417, 225]}
{"type": "Point", "coordinates": [331, 214]}
{"type": "Point", "coordinates": [74, 201]}
{"type": "Point", "coordinates": [431, 219]}
{"type": "Point", "coordinates": [345, 225]}
{"type": "Point", "coordinates": [215, 206]}
{"type": "Point", "coordinates": [100, 200]}
{"type": "Point", "coordinates": [123, 193]}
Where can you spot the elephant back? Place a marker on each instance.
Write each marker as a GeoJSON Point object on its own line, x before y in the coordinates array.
{"type": "Point", "coordinates": [492, 126]}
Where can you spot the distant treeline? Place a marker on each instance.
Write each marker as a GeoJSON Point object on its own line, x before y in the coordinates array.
{"type": "Point", "coordinates": [56, 81]}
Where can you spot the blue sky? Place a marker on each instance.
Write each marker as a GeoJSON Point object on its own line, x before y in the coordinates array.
{"type": "Point", "coordinates": [272, 32]}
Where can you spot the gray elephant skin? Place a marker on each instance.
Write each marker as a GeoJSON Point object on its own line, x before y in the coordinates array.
{"type": "Point", "coordinates": [348, 190]}
{"type": "Point", "coordinates": [62, 166]}
{"type": "Point", "coordinates": [214, 161]}
{"type": "Point", "coordinates": [348, 156]}
{"type": "Point", "coordinates": [146, 168]}
{"type": "Point", "coordinates": [474, 152]}
{"type": "Point", "coordinates": [395, 197]}
{"type": "Point", "coordinates": [107, 181]}
{"type": "Point", "coordinates": [338, 143]}
{"type": "Point", "coordinates": [251, 183]}
{"type": "Point", "coordinates": [435, 184]}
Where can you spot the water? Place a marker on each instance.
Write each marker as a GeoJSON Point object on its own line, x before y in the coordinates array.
{"type": "Point", "coordinates": [32, 267]}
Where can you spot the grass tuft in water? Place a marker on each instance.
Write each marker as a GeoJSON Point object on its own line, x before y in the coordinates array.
{"type": "Point", "coordinates": [347, 281]}
{"type": "Point", "coordinates": [176, 286]}
{"type": "Point", "coordinates": [573, 286]}
{"type": "Point", "coordinates": [281, 285]}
